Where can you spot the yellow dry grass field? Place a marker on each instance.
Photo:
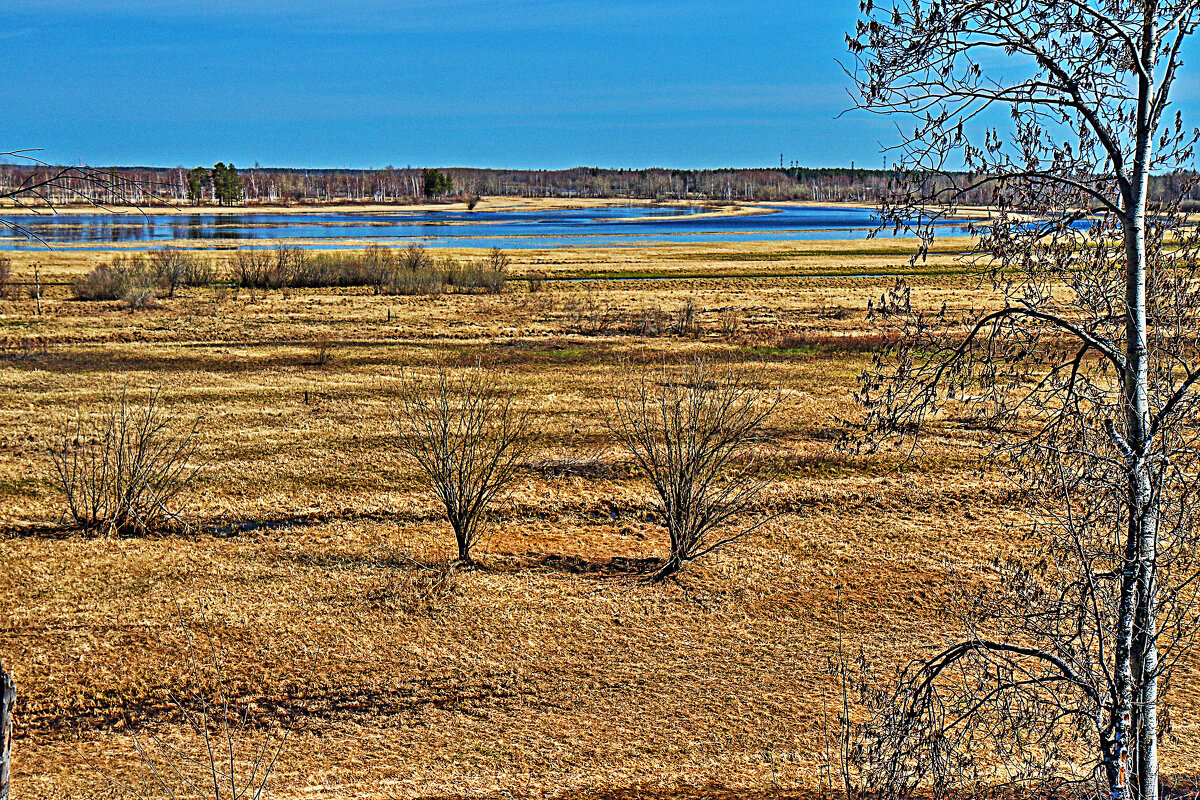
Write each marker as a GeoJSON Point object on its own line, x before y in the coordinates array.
{"type": "Point", "coordinates": [554, 670]}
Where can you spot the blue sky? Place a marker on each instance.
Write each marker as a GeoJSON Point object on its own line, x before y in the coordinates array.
{"type": "Point", "coordinates": [365, 83]}
{"type": "Point", "coordinates": [490, 83]}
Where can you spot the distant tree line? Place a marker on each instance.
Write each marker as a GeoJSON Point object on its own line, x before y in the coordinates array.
{"type": "Point", "coordinates": [226, 185]}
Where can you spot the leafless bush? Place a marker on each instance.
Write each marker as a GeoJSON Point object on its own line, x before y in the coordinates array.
{"type": "Point", "coordinates": [469, 440]}
{"type": "Point", "coordinates": [651, 321]}
{"type": "Point", "coordinates": [230, 762]}
{"type": "Point", "coordinates": [139, 298]}
{"type": "Point", "coordinates": [250, 268]}
{"type": "Point", "coordinates": [5, 276]}
{"type": "Point", "coordinates": [591, 316]}
{"type": "Point", "coordinates": [536, 281]}
{"type": "Point", "coordinates": [415, 258]}
{"type": "Point", "coordinates": [412, 271]}
{"type": "Point", "coordinates": [115, 280]}
{"type": "Point", "coordinates": [686, 323]}
{"type": "Point", "coordinates": [271, 269]}
{"type": "Point", "coordinates": [687, 427]}
{"type": "Point", "coordinates": [497, 260]}
{"type": "Point", "coordinates": [121, 468]}
{"type": "Point", "coordinates": [322, 351]}
{"type": "Point", "coordinates": [731, 323]}
{"type": "Point", "coordinates": [487, 275]}
{"type": "Point", "coordinates": [199, 271]}
{"type": "Point", "coordinates": [168, 266]}
{"type": "Point", "coordinates": [290, 263]}
{"type": "Point", "coordinates": [422, 282]}
{"type": "Point", "coordinates": [379, 267]}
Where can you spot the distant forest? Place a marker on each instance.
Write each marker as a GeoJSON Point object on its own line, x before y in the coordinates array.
{"type": "Point", "coordinates": [259, 186]}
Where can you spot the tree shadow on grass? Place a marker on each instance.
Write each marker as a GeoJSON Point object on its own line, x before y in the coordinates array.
{"type": "Point", "coordinates": [571, 564]}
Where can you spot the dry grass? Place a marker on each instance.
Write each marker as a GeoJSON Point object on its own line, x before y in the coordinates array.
{"type": "Point", "coordinates": [553, 669]}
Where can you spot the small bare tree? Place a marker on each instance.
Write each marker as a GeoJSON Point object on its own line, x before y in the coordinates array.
{"type": "Point", "coordinates": [121, 468]}
{"type": "Point", "coordinates": [469, 439]}
{"type": "Point", "coordinates": [691, 429]}
{"type": "Point", "coordinates": [169, 267]}
{"type": "Point", "coordinates": [230, 763]}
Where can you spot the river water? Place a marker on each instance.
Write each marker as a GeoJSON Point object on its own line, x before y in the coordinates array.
{"type": "Point", "coordinates": [507, 229]}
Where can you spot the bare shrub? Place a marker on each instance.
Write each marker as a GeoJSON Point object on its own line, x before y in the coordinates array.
{"type": "Point", "coordinates": [411, 271]}
{"type": "Point", "coordinates": [731, 323]}
{"type": "Point", "coordinates": [417, 272]}
{"type": "Point", "coordinates": [651, 322]}
{"type": "Point", "coordinates": [424, 282]}
{"type": "Point", "coordinates": [290, 264]}
{"type": "Point", "coordinates": [536, 281]}
{"type": "Point", "coordinates": [273, 269]}
{"type": "Point", "coordinates": [230, 762]}
{"type": "Point", "coordinates": [250, 268]}
{"type": "Point", "coordinates": [139, 298]}
{"type": "Point", "coordinates": [168, 267]}
{"type": "Point", "coordinates": [322, 351]}
{"type": "Point", "coordinates": [199, 271]}
{"type": "Point", "coordinates": [590, 316]}
{"type": "Point", "coordinates": [469, 440]}
{"type": "Point", "coordinates": [497, 260]}
{"type": "Point", "coordinates": [5, 276]}
{"type": "Point", "coordinates": [489, 280]}
{"type": "Point", "coordinates": [113, 281]}
{"type": "Point", "coordinates": [686, 322]}
{"type": "Point", "coordinates": [121, 468]}
{"type": "Point", "coordinates": [688, 427]}
{"type": "Point", "coordinates": [379, 267]}
{"type": "Point", "coordinates": [102, 283]}
{"type": "Point", "coordinates": [488, 275]}
{"type": "Point", "coordinates": [414, 258]}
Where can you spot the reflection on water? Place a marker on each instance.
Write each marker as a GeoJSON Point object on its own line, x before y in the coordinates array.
{"type": "Point", "coordinates": [528, 229]}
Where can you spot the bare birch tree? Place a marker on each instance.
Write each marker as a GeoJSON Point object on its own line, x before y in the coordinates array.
{"type": "Point", "coordinates": [1083, 373]}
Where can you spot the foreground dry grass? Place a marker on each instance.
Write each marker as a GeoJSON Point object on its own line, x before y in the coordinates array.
{"type": "Point", "coordinates": [555, 669]}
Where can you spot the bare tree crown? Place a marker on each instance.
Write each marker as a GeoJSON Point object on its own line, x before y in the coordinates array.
{"type": "Point", "coordinates": [469, 439]}
{"type": "Point", "coordinates": [692, 428]}
{"type": "Point", "coordinates": [1082, 373]}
